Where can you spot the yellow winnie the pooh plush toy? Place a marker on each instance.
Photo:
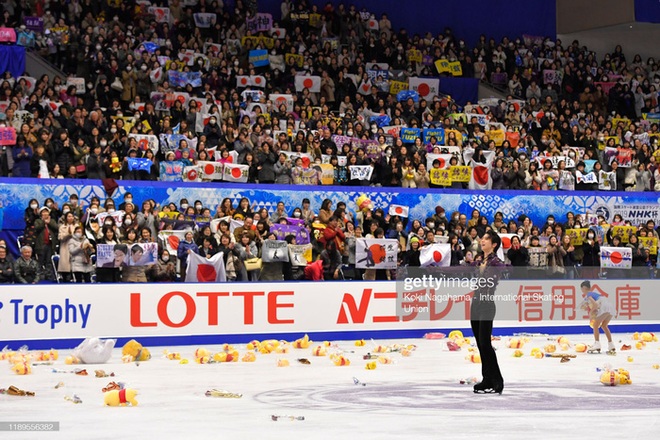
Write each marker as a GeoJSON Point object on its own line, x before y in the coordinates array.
{"type": "Point", "coordinates": [120, 397]}
{"type": "Point", "coordinates": [136, 351]}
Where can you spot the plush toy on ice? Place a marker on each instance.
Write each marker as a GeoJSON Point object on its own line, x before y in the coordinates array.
{"type": "Point", "coordinates": [124, 397]}
{"type": "Point", "coordinates": [134, 351]}
{"type": "Point", "coordinates": [92, 351]}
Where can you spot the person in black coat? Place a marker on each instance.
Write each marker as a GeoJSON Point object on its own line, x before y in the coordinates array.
{"type": "Point", "coordinates": [411, 256]}
{"type": "Point", "coordinates": [517, 254]}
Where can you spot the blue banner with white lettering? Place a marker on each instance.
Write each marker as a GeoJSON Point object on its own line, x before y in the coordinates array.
{"type": "Point", "coordinates": [408, 135]}
{"type": "Point", "coordinates": [259, 58]}
{"type": "Point", "coordinates": [439, 134]}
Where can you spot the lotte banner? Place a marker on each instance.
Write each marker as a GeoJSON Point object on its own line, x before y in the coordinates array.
{"type": "Point", "coordinates": [42, 314]}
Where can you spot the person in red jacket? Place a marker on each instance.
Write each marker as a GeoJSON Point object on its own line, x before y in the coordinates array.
{"type": "Point", "coordinates": [333, 233]}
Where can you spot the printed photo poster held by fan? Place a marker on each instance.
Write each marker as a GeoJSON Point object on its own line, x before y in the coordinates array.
{"type": "Point", "coordinates": [300, 255]}
{"type": "Point", "coordinates": [376, 253]}
{"type": "Point", "coordinates": [274, 251]}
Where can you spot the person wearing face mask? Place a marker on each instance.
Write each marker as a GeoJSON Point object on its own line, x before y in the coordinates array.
{"type": "Point", "coordinates": [129, 83]}
{"type": "Point", "coordinates": [591, 257]}
{"type": "Point", "coordinates": [183, 203]}
{"type": "Point", "coordinates": [212, 131]}
{"type": "Point", "coordinates": [164, 271]}
{"type": "Point", "coordinates": [80, 250]}
{"type": "Point", "coordinates": [440, 218]}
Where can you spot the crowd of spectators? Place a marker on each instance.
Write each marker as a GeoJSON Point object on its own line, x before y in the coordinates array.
{"type": "Point", "coordinates": [73, 231]}
{"type": "Point", "coordinates": [563, 101]}
{"type": "Point", "coordinates": [561, 95]}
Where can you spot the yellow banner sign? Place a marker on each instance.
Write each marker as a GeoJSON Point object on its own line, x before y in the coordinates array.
{"type": "Point", "coordinates": [443, 66]}
{"type": "Point", "coordinates": [624, 232]}
{"type": "Point", "coordinates": [415, 55]}
{"type": "Point", "coordinates": [298, 60]}
{"type": "Point", "coordinates": [577, 236]}
{"type": "Point", "coordinates": [397, 86]}
{"type": "Point", "coordinates": [440, 176]}
{"type": "Point", "coordinates": [651, 243]}
{"type": "Point", "coordinates": [460, 173]}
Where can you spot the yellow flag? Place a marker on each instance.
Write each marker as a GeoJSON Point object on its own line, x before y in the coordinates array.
{"type": "Point", "coordinates": [456, 69]}
{"type": "Point", "coordinates": [460, 173]}
{"type": "Point", "coordinates": [397, 86]}
{"type": "Point", "coordinates": [442, 66]}
{"type": "Point", "coordinates": [440, 176]}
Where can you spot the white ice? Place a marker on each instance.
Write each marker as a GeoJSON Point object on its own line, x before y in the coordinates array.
{"type": "Point", "coordinates": [415, 397]}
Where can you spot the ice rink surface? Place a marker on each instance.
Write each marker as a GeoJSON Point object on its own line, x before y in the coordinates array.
{"type": "Point", "coordinates": [414, 397]}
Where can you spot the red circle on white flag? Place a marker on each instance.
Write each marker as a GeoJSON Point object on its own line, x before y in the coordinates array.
{"type": "Point", "coordinates": [480, 175]}
{"type": "Point", "coordinates": [236, 173]}
{"type": "Point", "coordinates": [257, 80]}
{"type": "Point", "coordinates": [423, 89]}
{"type": "Point", "coordinates": [244, 81]}
{"type": "Point", "coordinates": [281, 100]}
{"type": "Point", "coordinates": [192, 175]}
{"type": "Point", "coordinates": [442, 162]}
{"type": "Point", "coordinates": [437, 256]}
{"type": "Point", "coordinates": [398, 210]}
{"type": "Point", "coordinates": [308, 83]}
{"type": "Point", "coordinates": [173, 241]}
{"type": "Point", "coordinates": [209, 168]}
{"type": "Point", "coordinates": [506, 242]}
{"type": "Point", "coordinates": [616, 257]}
{"type": "Point", "coordinates": [206, 272]}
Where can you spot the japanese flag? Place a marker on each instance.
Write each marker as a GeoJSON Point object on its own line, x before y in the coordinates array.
{"type": "Point", "coordinates": [372, 24]}
{"type": "Point", "coordinates": [170, 239]}
{"type": "Point", "coordinates": [29, 82]}
{"type": "Point", "coordinates": [278, 99]}
{"type": "Point", "coordinates": [615, 257]}
{"type": "Point", "coordinates": [192, 174]}
{"type": "Point", "coordinates": [313, 83]}
{"type": "Point", "coordinates": [435, 254]}
{"type": "Point", "coordinates": [210, 170]}
{"type": "Point", "coordinates": [443, 160]}
{"type": "Point", "coordinates": [278, 33]}
{"type": "Point", "coordinates": [235, 173]}
{"type": "Point", "coordinates": [401, 211]}
{"type": "Point", "coordinates": [426, 87]}
{"type": "Point", "coordinates": [156, 75]}
{"type": "Point", "coordinates": [252, 80]}
{"type": "Point", "coordinates": [206, 270]}
{"type": "Point", "coordinates": [480, 178]}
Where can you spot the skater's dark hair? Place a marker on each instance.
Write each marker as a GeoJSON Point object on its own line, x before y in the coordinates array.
{"type": "Point", "coordinates": [586, 284]}
{"type": "Point", "coordinates": [495, 239]}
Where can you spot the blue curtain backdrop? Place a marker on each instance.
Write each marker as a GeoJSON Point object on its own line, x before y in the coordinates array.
{"type": "Point", "coordinates": [468, 18]}
{"type": "Point", "coordinates": [462, 90]}
{"type": "Point", "coordinates": [647, 11]}
{"type": "Point", "coordinates": [12, 59]}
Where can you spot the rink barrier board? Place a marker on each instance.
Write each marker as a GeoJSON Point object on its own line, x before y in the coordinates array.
{"type": "Point", "coordinates": [60, 316]}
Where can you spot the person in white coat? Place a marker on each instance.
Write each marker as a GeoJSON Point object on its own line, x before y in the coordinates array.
{"type": "Point", "coordinates": [80, 251]}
